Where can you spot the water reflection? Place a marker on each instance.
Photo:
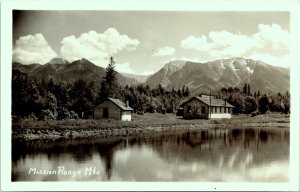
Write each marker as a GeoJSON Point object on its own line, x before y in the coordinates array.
{"type": "Point", "coordinates": [213, 155]}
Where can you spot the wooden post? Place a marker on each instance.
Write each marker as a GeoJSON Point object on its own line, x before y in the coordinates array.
{"type": "Point", "coordinates": [210, 105]}
{"type": "Point", "coordinates": [257, 138]}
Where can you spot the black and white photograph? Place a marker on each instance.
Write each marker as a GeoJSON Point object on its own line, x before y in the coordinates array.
{"type": "Point", "coordinates": [151, 96]}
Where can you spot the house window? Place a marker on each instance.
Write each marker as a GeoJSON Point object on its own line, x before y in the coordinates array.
{"type": "Point", "coordinates": [203, 109]}
{"type": "Point", "coordinates": [105, 112]}
{"type": "Point", "coordinates": [189, 109]}
{"type": "Point", "coordinates": [216, 108]}
{"type": "Point", "coordinates": [225, 110]}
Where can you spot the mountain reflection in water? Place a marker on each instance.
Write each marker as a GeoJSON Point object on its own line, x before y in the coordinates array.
{"type": "Point", "coordinates": [248, 155]}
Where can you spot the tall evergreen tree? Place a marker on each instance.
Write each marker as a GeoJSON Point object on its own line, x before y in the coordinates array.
{"type": "Point", "coordinates": [186, 92]}
{"type": "Point", "coordinates": [179, 93]}
{"type": "Point", "coordinates": [109, 83]}
{"type": "Point", "coordinates": [245, 89]}
{"type": "Point", "coordinates": [248, 90]}
{"type": "Point", "coordinates": [183, 90]}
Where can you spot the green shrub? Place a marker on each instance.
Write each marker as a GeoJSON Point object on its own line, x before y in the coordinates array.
{"type": "Point", "coordinates": [46, 115]}
{"type": "Point", "coordinates": [263, 104]}
{"type": "Point", "coordinates": [74, 115]}
{"type": "Point", "coordinates": [32, 117]}
{"type": "Point", "coordinates": [63, 113]}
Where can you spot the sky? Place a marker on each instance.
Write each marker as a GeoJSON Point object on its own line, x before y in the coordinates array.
{"type": "Point", "coordinates": [142, 42]}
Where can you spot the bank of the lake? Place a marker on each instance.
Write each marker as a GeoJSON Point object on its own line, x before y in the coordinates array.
{"type": "Point", "coordinates": [141, 125]}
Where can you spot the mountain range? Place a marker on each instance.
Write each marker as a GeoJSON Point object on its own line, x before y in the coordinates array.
{"type": "Point", "coordinates": [212, 76]}
{"type": "Point", "coordinates": [61, 70]}
{"type": "Point", "coordinates": [199, 77]}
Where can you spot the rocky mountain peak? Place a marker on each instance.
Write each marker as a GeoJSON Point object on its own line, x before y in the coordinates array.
{"type": "Point", "coordinates": [214, 75]}
{"type": "Point", "coordinates": [58, 61]}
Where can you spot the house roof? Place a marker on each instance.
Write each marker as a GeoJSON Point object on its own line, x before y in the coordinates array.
{"type": "Point", "coordinates": [212, 102]}
{"type": "Point", "coordinates": [183, 102]}
{"type": "Point", "coordinates": [120, 104]}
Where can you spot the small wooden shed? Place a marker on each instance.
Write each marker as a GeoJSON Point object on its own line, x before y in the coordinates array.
{"type": "Point", "coordinates": [206, 107]}
{"type": "Point", "coordinates": [114, 109]}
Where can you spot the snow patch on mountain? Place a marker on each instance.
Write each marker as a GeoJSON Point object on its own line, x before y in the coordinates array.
{"type": "Point", "coordinates": [222, 64]}
{"type": "Point", "coordinates": [250, 70]}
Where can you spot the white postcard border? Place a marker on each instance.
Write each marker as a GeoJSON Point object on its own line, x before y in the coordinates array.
{"type": "Point", "coordinates": [216, 5]}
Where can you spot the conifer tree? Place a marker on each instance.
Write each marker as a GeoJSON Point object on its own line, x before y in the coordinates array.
{"type": "Point", "coordinates": [245, 89]}
{"type": "Point", "coordinates": [109, 83]}
{"type": "Point", "coordinates": [187, 92]}
{"type": "Point", "coordinates": [248, 90]}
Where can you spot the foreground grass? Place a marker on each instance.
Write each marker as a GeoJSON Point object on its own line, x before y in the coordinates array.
{"type": "Point", "coordinates": [141, 124]}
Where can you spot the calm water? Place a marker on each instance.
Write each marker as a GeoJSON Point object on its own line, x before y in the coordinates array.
{"type": "Point", "coordinates": [233, 155]}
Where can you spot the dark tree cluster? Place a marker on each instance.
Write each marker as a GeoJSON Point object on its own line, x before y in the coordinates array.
{"type": "Point", "coordinates": [144, 99]}
{"type": "Point", "coordinates": [48, 100]}
{"type": "Point", "coordinates": [247, 102]}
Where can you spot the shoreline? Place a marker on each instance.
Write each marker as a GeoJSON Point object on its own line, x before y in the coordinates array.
{"type": "Point", "coordinates": [84, 129]}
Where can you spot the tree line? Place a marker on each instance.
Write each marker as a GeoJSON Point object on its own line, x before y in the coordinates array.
{"type": "Point", "coordinates": [248, 102]}
{"type": "Point", "coordinates": [60, 100]}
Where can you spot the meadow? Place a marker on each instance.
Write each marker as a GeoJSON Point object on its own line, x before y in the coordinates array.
{"type": "Point", "coordinates": [29, 129]}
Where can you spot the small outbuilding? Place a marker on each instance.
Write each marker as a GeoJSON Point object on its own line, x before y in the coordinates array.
{"type": "Point", "coordinates": [114, 109]}
{"type": "Point", "coordinates": [206, 107]}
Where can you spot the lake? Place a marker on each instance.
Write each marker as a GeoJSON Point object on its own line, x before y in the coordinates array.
{"type": "Point", "coordinates": [242, 155]}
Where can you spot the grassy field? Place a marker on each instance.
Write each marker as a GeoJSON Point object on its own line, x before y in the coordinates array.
{"type": "Point", "coordinates": [141, 124]}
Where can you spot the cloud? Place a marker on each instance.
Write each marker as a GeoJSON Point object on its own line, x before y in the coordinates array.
{"type": "Point", "coordinates": [96, 47]}
{"type": "Point", "coordinates": [193, 59]}
{"type": "Point", "coordinates": [197, 43]}
{"type": "Point", "coordinates": [146, 72]}
{"type": "Point", "coordinates": [273, 39]}
{"type": "Point", "coordinates": [32, 49]}
{"type": "Point", "coordinates": [164, 51]}
{"type": "Point", "coordinates": [123, 68]}
{"type": "Point", "coordinates": [270, 42]}
{"type": "Point", "coordinates": [282, 61]}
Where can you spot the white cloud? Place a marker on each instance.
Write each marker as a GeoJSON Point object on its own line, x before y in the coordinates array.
{"type": "Point", "coordinates": [197, 43]}
{"type": "Point", "coordinates": [273, 39]}
{"type": "Point", "coordinates": [192, 59]}
{"type": "Point", "coordinates": [270, 43]}
{"type": "Point", "coordinates": [123, 68]}
{"type": "Point", "coordinates": [33, 49]}
{"type": "Point", "coordinates": [282, 61]}
{"type": "Point", "coordinates": [96, 47]}
{"type": "Point", "coordinates": [164, 51]}
{"type": "Point", "coordinates": [148, 72]}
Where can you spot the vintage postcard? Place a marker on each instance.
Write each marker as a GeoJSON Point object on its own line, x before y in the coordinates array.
{"type": "Point", "coordinates": [183, 95]}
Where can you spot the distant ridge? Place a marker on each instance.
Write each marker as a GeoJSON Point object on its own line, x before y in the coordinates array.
{"type": "Point", "coordinates": [163, 75]}
{"type": "Point", "coordinates": [213, 75]}
{"type": "Point", "coordinates": [199, 77]}
{"type": "Point", "coordinates": [59, 69]}
{"type": "Point", "coordinates": [58, 61]}
{"type": "Point", "coordinates": [138, 78]}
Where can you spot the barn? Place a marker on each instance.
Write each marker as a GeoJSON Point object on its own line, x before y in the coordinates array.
{"type": "Point", "coordinates": [206, 107]}
{"type": "Point", "coordinates": [113, 109]}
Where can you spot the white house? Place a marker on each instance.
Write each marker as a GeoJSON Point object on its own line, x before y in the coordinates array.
{"type": "Point", "coordinates": [206, 107]}
{"type": "Point", "coordinates": [114, 109]}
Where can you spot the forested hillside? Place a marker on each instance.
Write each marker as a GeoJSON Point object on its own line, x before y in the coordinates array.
{"type": "Point", "coordinates": [41, 99]}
